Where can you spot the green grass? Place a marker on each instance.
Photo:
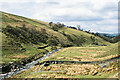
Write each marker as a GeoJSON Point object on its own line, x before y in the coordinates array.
{"type": "Point", "coordinates": [110, 50]}
{"type": "Point", "coordinates": [83, 36]}
{"type": "Point", "coordinates": [86, 53]}
{"type": "Point", "coordinates": [17, 56]}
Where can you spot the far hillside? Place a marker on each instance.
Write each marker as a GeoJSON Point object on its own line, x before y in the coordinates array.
{"type": "Point", "coordinates": [112, 38]}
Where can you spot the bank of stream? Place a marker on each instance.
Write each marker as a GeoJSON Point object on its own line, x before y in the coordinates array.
{"type": "Point", "coordinates": [26, 66]}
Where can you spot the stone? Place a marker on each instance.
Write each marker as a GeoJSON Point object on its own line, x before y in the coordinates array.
{"type": "Point", "coordinates": [63, 72]}
{"type": "Point", "coordinates": [90, 72]}
{"type": "Point", "coordinates": [116, 69]}
{"type": "Point", "coordinates": [52, 76]}
{"type": "Point", "coordinates": [109, 69]}
{"type": "Point", "coordinates": [44, 75]}
{"type": "Point", "coordinates": [68, 74]}
{"type": "Point", "coordinates": [48, 68]}
{"type": "Point", "coordinates": [95, 72]}
{"type": "Point", "coordinates": [60, 57]}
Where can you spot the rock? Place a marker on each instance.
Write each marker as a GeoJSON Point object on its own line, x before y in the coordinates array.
{"type": "Point", "coordinates": [52, 76]}
{"type": "Point", "coordinates": [60, 57]}
{"type": "Point", "coordinates": [58, 72]}
{"type": "Point", "coordinates": [48, 68]}
{"type": "Point", "coordinates": [48, 77]}
{"type": "Point", "coordinates": [44, 68]}
{"type": "Point", "coordinates": [104, 69]}
{"type": "Point", "coordinates": [10, 62]}
{"type": "Point", "coordinates": [68, 74]}
{"type": "Point", "coordinates": [44, 75]}
{"type": "Point", "coordinates": [93, 72]}
{"type": "Point", "coordinates": [109, 69]}
{"type": "Point", "coordinates": [72, 74]}
{"type": "Point", "coordinates": [116, 69]}
{"type": "Point", "coordinates": [63, 72]}
{"type": "Point", "coordinates": [75, 60]}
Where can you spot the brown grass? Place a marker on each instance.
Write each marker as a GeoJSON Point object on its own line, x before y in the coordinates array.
{"type": "Point", "coordinates": [19, 56]}
{"type": "Point", "coordinates": [12, 17]}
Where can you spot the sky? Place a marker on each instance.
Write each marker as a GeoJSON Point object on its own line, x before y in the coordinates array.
{"type": "Point", "coordinates": [94, 15]}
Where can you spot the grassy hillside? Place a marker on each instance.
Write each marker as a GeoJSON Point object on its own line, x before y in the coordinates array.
{"type": "Point", "coordinates": [22, 36]}
{"type": "Point", "coordinates": [116, 38]}
{"type": "Point", "coordinates": [81, 38]}
{"type": "Point", "coordinates": [86, 53]}
{"type": "Point", "coordinates": [111, 39]}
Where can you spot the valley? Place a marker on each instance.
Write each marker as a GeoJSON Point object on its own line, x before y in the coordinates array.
{"type": "Point", "coordinates": [30, 45]}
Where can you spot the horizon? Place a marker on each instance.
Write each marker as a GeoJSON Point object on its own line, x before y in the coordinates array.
{"type": "Point", "coordinates": [100, 16]}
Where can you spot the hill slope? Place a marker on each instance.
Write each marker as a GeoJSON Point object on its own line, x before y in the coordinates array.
{"type": "Point", "coordinates": [22, 36]}
{"type": "Point", "coordinates": [96, 53]}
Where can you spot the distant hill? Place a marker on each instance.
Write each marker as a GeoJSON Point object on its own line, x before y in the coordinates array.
{"type": "Point", "coordinates": [116, 38]}
{"type": "Point", "coordinates": [112, 38]}
{"type": "Point", "coordinates": [22, 36]}
{"type": "Point", "coordinates": [110, 35]}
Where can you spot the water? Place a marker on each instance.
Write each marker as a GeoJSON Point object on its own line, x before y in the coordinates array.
{"type": "Point", "coordinates": [27, 66]}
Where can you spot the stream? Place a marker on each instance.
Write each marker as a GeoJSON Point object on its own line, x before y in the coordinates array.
{"type": "Point", "coordinates": [27, 66]}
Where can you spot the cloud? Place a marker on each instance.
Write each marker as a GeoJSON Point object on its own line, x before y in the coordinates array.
{"type": "Point", "coordinates": [15, 1]}
{"type": "Point", "coordinates": [90, 14]}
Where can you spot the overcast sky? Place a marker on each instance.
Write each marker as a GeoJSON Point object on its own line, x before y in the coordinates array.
{"type": "Point", "coordinates": [93, 15]}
